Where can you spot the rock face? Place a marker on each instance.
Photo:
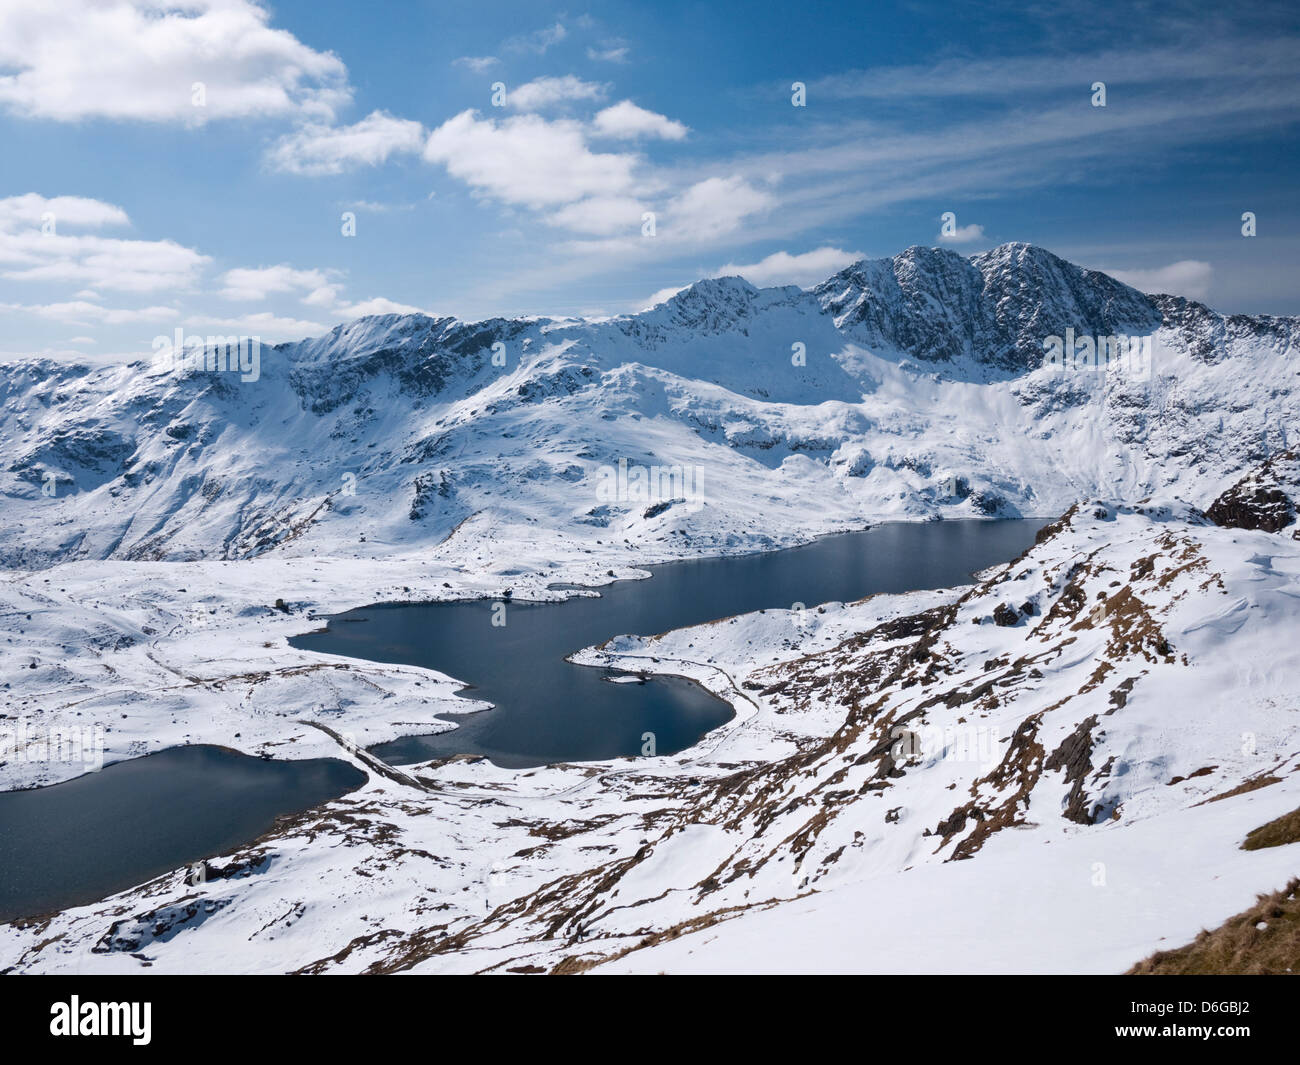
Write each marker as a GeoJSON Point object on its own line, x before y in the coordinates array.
{"type": "Point", "coordinates": [994, 308]}
{"type": "Point", "coordinates": [910, 387]}
{"type": "Point", "coordinates": [1264, 499]}
{"type": "Point", "coordinates": [1005, 615]}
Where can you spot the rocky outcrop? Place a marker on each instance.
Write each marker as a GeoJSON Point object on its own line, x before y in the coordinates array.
{"type": "Point", "coordinates": [1264, 499]}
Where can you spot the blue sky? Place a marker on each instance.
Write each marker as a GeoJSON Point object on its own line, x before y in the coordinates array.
{"type": "Point", "coordinates": [132, 203]}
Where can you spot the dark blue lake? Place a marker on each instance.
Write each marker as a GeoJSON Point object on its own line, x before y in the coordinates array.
{"type": "Point", "coordinates": [84, 839]}
{"type": "Point", "coordinates": [548, 710]}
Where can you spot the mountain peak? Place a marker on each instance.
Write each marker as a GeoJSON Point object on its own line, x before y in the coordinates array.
{"type": "Point", "coordinates": [991, 310]}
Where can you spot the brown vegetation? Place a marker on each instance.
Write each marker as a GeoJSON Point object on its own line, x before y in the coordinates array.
{"type": "Point", "coordinates": [1263, 940]}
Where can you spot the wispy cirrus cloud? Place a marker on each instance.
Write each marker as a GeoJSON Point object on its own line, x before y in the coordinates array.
{"type": "Point", "coordinates": [539, 42]}
{"type": "Point", "coordinates": [1188, 277]}
{"type": "Point", "coordinates": [1232, 57]}
{"type": "Point", "coordinates": [615, 50]}
{"type": "Point", "coordinates": [266, 325]}
{"type": "Point", "coordinates": [478, 64]}
{"type": "Point", "coordinates": [84, 312]}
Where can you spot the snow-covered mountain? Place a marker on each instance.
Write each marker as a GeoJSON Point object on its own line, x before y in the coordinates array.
{"type": "Point", "coordinates": [910, 387]}
{"type": "Point", "coordinates": [1073, 747]}
{"type": "Point", "coordinates": [1051, 770]}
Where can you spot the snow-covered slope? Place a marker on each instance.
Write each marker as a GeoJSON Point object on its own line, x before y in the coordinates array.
{"type": "Point", "coordinates": [1030, 746]}
{"type": "Point", "coordinates": [909, 387]}
{"type": "Point", "coordinates": [1051, 770]}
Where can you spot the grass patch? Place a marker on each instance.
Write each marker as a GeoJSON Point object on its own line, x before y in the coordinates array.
{"type": "Point", "coordinates": [1262, 941]}
{"type": "Point", "coordinates": [1286, 829]}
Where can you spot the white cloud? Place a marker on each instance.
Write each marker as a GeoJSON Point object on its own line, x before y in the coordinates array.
{"type": "Point", "coordinates": [1204, 57]}
{"type": "Point", "coordinates": [962, 234]}
{"type": "Point", "coordinates": [84, 311]}
{"type": "Point", "coordinates": [601, 215]}
{"type": "Point", "coordinates": [31, 251]}
{"type": "Point", "coordinates": [120, 265]}
{"type": "Point", "coordinates": [626, 119]}
{"type": "Point", "coordinates": [378, 305]}
{"type": "Point", "coordinates": [782, 268]}
{"type": "Point", "coordinates": [608, 52]}
{"type": "Point", "coordinates": [527, 160]}
{"type": "Point", "coordinates": [715, 206]}
{"type": "Point", "coordinates": [479, 64]}
{"type": "Point", "coordinates": [537, 42]}
{"type": "Point", "coordinates": [548, 91]}
{"type": "Point", "coordinates": [255, 283]}
{"type": "Point", "coordinates": [264, 325]}
{"type": "Point", "coordinates": [325, 296]}
{"type": "Point", "coordinates": [662, 295]}
{"type": "Point", "coordinates": [375, 207]}
{"type": "Point", "coordinates": [1188, 277]}
{"type": "Point", "coordinates": [139, 59]}
{"type": "Point", "coordinates": [319, 149]}
{"type": "Point", "coordinates": [315, 288]}
{"type": "Point", "coordinates": [31, 209]}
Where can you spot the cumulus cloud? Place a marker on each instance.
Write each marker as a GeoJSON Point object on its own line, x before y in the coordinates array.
{"type": "Point", "coordinates": [602, 215]}
{"type": "Point", "coordinates": [321, 149]}
{"type": "Point", "coordinates": [378, 305]}
{"type": "Point", "coordinates": [78, 212]}
{"type": "Point", "coordinates": [527, 160]}
{"type": "Point", "coordinates": [549, 91]}
{"type": "Point", "coordinates": [139, 59]}
{"type": "Point", "coordinates": [1187, 277]}
{"type": "Point", "coordinates": [782, 268]}
{"type": "Point", "coordinates": [255, 283]}
{"type": "Point", "coordinates": [626, 119]}
{"type": "Point", "coordinates": [715, 207]}
{"type": "Point", "coordinates": [35, 246]}
{"type": "Point", "coordinates": [962, 234]}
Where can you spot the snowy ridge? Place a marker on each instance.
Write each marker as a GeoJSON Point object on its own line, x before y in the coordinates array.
{"type": "Point", "coordinates": [921, 395]}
